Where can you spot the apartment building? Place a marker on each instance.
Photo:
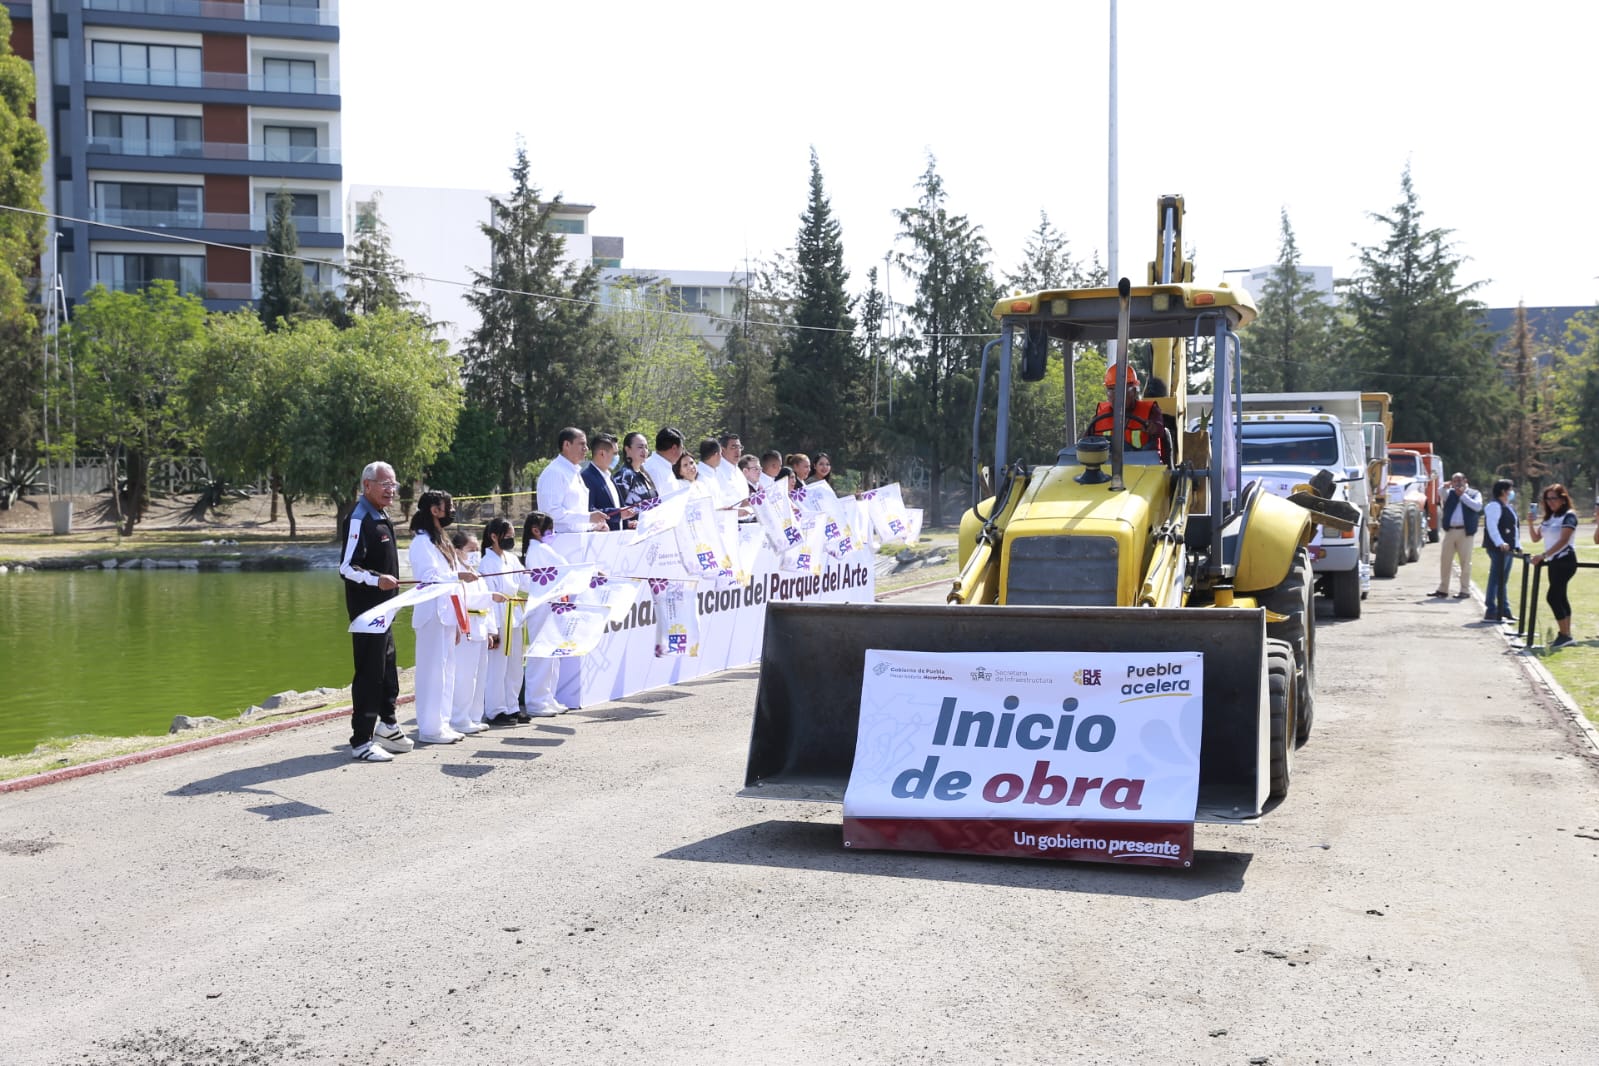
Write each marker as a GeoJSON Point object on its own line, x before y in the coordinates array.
{"type": "Point", "coordinates": [174, 125]}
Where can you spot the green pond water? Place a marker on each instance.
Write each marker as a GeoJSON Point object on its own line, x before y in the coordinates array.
{"type": "Point", "coordinates": [119, 652]}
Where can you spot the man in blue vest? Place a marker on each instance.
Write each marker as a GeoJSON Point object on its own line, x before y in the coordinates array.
{"type": "Point", "coordinates": [1462, 508]}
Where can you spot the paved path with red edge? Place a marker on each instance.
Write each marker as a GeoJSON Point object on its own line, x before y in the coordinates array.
{"type": "Point", "coordinates": [591, 889]}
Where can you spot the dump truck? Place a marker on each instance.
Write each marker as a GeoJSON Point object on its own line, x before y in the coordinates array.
{"type": "Point", "coordinates": [1090, 545]}
{"type": "Point", "coordinates": [1287, 437]}
{"type": "Point", "coordinates": [1426, 475]}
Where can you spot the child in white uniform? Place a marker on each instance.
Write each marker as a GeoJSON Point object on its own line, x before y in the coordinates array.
{"type": "Point", "coordinates": [538, 693]}
{"type": "Point", "coordinates": [435, 621]}
{"type": "Point", "coordinates": [472, 654]}
{"type": "Point", "coordinates": [504, 679]}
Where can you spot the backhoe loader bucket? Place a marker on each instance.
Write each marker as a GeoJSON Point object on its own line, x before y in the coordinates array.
{"type": "Point", "coordinates": [807, 705]}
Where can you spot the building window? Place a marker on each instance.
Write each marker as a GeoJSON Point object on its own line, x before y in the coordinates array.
{"type": "Point", "coordinates": [146, 135]}
{"type": "Point", "coordinates": [565, 225]}
{"type": "Point", "coordinates": [130, 273]}
{"type": "Point", "coordinates": [606, 262]}
{"type": "Point", "coordinates": [301, 11]}
{"type": "Point", "coordinates": [144, 64]}
{"type": "Point", "coordinates": [122, 203]}
{"type": "Point", "coordinates": [288, 75]}
{"type": "Point", "coordinates": [289, 144]}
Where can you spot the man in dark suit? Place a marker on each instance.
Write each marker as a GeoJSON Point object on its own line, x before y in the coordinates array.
{"type": "Point", "coordinates": [597, 476]}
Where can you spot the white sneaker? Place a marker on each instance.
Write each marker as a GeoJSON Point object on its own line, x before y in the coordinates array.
{"type": "Point", "coordinates": [469, 728]}
{"type": "Point", "coordinates": [543, 711]}
{"type": "Point", "coordinates": [369, 752]}
{"type": "Point", "coordinates": [449, 736]}
{"type": "Point", "coordinates": [392, 738]}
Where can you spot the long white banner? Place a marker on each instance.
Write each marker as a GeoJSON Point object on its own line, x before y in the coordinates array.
{"type": "Point", "coordinates": [1040, 754]}
{"type": "Point", "coordinates": [732, 616]}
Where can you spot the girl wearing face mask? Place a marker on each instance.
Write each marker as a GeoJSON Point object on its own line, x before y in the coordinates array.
{"type": "Point", "coordinates": [504, 677]}
{"type": "Point", "coordinates": [437, 622]}
{"type": "Point", "coordinates": [472, 653]}
{"type": "Point", "coordinates": [539, 675]}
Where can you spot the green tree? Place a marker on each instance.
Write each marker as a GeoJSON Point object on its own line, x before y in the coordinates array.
{"type": "Point", "coordinates": [135, 353]}
{"type": "Point", "coordinates": [1576, 400]}
{"type": "Point", "coordinates": [665, 376]}
{"type": "Point", "coordinates": [947, 260]}
{"type": "Point", "coordinates": [818, 370]}
{"type": "Point", "coordinates": [1530, 416]}
{"type": "Point", "coordinates": [1047, 262]}
{"type": "Point", "coordinates": [385, 388]}
{"type": "Point", "coordinates": [22, 154]}
{"type": "Point", "coordinates": [471, 466]}
{"type": "Point", "coordinates": [754, 332]}
{"type": "Point", "coordinates": [537, 359]}
{"type": "Point", "coordinates": [1416, 332]}
{"type": "Point", "coordinates": [283, 287]}
{"type": "Point", "coordinates": [1290, 346]}
{"type": "Point", "coordinates": [374, 275]}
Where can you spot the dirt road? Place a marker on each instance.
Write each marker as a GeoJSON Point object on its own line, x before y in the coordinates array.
{"type": "Point", "coordinates": [590, 890]}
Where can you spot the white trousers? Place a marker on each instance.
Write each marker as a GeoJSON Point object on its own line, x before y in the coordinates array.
{"type": "Point", "coordinates": [1455, 544]}
{"type": "Point", "coordinates": [540, 675]}
{"type": "Point", "coordinates": [504, 678]}
{"type": "Point", "coordinates": [471, 677]}
{"type": "Point", "coordinates": [435, 676]}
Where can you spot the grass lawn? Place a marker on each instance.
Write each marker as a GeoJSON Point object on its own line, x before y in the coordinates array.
{"type": "Point", "coordinates": [1576, 667]}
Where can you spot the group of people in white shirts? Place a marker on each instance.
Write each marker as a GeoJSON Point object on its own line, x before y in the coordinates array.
{"type": "Point", "coordinates": [470, 670]}
{"type": "Point", "coordinates": [624, 477]}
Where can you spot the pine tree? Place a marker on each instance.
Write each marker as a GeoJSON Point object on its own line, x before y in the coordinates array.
{"type": "Point", "coordinates": [817, 370]}
{"type": "Point", "coordinates": [283, 288]}
{"type": "Point", "coordinates": [1528, 416]}
{"type": "Point", "coordinates": [1416, 333]}
{"type": "Point", "coordinates": [1576, 396]}
{"type": "Point", "coordinates": [537, 360]}
{"type": "Point", "coordinates": [955, 292]}
{"type": "Point", "coordinates": [756, 328]}
{"type": "Point", "coordinates": [374, 275]}
{"type": "Point", "coordinates": [1047, 262]}
{"type": "Point", "coordinates": [1290, 346]}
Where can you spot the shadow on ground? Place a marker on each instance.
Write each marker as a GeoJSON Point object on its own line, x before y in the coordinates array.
{"type": "Point", "coordinates": [819, 846]}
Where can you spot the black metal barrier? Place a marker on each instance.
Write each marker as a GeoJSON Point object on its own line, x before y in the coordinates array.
{"type": "Point", "coordinates": [1527, 624]}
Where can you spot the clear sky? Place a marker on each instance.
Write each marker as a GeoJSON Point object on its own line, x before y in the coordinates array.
{"type": "Point", "coordinates": [689, 125]}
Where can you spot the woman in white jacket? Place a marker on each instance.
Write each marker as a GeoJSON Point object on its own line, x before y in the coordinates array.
{"type": "Point", "coordinates": [437, 622]}
{"type": "Point", "coordinates": [499, 569]}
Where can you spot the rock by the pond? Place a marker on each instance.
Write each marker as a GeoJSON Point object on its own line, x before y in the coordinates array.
{"type": "Point", "coordinates": [185, 721]}
{"type": "Point", "coordinates": [108, 564]}
{"type": "Point", "coordinates": [273, 702]}
{"type": "Point", "coordinates": [249, 712]}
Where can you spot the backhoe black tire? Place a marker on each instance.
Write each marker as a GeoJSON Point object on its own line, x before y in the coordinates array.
{"type": "Point", "coordinates": [1415, 524]}
{"type": "Point", "coordinates": [1390, 543]}
{"type": "Point", "coordinates": [1346, 593]}
{"type": "Point", "coordinates": [1280, 686]}
{"type": "Point", "coordinates": [1295, 597]}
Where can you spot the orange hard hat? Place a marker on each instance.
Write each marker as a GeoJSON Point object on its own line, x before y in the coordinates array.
{"type": "Point", "coordinates": [1110, 376]}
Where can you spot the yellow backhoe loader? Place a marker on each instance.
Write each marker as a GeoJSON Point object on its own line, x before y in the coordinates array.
{"type": "Point", "coordinates": [1099, 546]}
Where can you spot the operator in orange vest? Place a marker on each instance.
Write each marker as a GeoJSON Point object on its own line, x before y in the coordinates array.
{"type": "Point", "coordinates": [1146, 426]}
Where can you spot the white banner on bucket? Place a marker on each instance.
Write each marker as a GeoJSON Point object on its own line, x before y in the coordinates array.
{"type": "Point", "coordinates": [1087, 736]}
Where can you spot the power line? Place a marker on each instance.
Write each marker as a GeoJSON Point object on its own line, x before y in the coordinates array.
{"type": "Point", "coordinates": [402, 276]}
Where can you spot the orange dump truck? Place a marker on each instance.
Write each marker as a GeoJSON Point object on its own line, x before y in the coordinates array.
{"type": "Point", "coordinates": [1417, 461]}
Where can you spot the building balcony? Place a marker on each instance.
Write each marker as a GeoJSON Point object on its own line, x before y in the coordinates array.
{"type": "Point", "coordinates": [212, 80]}
{"type": "Point", "coordinates": [212, 220]}
{"type": "Point", "coordinates": [144, 148]}
{"type": "Point", "coordinates": [325, 14]}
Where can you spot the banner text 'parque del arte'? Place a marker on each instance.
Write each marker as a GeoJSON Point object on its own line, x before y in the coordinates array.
{"type": "Point", "coordinates": [1049, 755]}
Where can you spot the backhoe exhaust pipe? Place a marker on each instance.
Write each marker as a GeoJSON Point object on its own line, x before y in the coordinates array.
{"type": "Point", "coordinates": [1118, 436]}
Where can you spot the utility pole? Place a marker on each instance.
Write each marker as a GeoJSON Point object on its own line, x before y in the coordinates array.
{"type": "Point", "coordinates": [1111, 191]}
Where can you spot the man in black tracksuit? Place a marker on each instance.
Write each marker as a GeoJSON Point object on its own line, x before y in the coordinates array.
{"type": "Point", "coordinates": [370, 567]}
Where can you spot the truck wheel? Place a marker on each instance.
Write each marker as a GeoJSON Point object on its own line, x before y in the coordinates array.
{"type": "Point", "coordinates": [1296, 598]}
{"type": "Point", "coordinates": [1413, 525]}
{"type": "Point", "coordinates": [1346, 594]}
{"type": "Point", "coordinates": [1390, 542]}
{"type": "Point", "coordinates": [1280, 683]}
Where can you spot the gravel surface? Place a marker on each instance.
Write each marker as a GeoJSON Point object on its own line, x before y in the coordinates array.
{"type": "Point", "coordinates": [590, 889]}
